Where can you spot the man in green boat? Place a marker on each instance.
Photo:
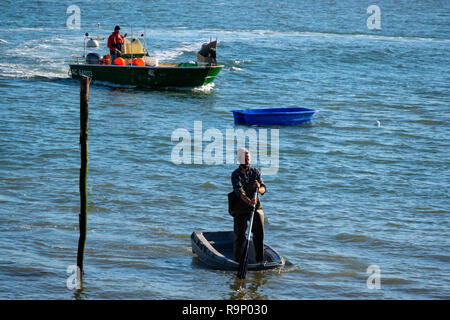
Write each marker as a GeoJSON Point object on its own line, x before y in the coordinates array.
{"type": "Point", "coordinates": [246, 181]}
{"type": "Point", "coordinates": [115, 43]}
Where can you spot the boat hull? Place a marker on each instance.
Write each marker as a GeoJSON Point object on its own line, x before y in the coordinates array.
{"type": "Point", "coordinates": [273, 116]}
{"type": "Point", "coordinates": [148, 76]}
{"type": "Point", "coordinates": [215, 249]}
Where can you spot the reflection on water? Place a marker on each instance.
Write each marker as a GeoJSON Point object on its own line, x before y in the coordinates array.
{"type": "Point", "coordinates": [249, 288]}
{"type": "Point", "coordinates": [78, 293]}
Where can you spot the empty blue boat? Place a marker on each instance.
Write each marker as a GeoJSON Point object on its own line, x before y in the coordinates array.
{"type": "Point", "coordinates": [274, 116]}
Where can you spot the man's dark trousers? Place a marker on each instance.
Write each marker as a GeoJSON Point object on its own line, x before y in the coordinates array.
{"type": "Point", "coordinates": [240, 226]}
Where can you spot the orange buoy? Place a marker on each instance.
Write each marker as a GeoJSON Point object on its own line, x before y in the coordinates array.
{"type": "Point", "coordinates": [139, 62]}
{"type": "Point", "coordinates": [119, 61]}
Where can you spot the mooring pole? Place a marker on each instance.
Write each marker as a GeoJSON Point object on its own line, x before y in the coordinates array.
{"type": "Point", "coordinates": [84, 108]}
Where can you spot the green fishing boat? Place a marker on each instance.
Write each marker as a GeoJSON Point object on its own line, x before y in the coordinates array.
{"type": "Point", "coordinates": [138, 69]}
{"type": "Point", "coordinates": [163, 75]}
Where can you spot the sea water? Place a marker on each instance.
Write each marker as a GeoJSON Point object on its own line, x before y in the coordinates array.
{"type": "Point", "coordinates": [359, 204]}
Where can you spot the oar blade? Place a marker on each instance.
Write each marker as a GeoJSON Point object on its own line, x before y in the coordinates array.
{"type": "Point", "coordinates": [243, 263]}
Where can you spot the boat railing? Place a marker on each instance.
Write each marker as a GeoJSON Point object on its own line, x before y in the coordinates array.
{"type": "Point", "coordinates": [76, 58]}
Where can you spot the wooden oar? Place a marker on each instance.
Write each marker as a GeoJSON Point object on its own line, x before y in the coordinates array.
{"type": "Point", "coordinates": [243, 261]}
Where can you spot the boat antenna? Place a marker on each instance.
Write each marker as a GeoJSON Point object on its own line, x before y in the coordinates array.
{"type": "Point", "coordinates": [131, 46]}
{"type": "Point", "coordinates": [84, 44]}
{"type": "Point", "coordinates": [145, 41]}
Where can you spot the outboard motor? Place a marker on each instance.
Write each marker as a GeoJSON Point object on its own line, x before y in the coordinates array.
{"type": "Point", "coordinates": [93, 58]}
{"type": "Point", "coordinates": [208, 53]}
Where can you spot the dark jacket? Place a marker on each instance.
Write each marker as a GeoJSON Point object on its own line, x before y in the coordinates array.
{"type": "Point", "coordinates": [243, 182]}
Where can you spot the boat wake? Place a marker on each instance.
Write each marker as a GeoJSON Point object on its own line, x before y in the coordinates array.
{"type": "Point", "coordinates": [173, 54]}
{"type": "Point", "coordinates": [22, 71]}
{"type": "Point", "coordinates": [286, 269]}
{"type": "Point", "coordinates": [207, 88]}
{"type": "Point", "coordinates": [264, 34]}
{"type": "Point", "coordinates": [42, 58]}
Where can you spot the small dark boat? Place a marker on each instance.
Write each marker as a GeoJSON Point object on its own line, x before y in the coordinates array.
{"type": "Point", "coordinates": [273, 116]}
{"type": "Point", "coordinates": [215, 249]}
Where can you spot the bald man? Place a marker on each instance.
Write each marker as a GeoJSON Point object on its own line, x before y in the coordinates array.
{"type": "Point", "coordinates": [246, 181]}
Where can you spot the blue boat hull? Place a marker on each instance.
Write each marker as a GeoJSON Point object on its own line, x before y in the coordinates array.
{"type": "Point", "coordinates": [276, 116]}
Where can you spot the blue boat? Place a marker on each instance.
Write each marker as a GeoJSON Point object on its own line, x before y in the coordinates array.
{"type": "Point", "coordinates": [273, 116]}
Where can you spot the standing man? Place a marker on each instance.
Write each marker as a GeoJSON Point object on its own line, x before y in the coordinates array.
{"type": "Point", "coordinates": [115, 42]}
{"type": "Point", "coordinates": [246, 181]}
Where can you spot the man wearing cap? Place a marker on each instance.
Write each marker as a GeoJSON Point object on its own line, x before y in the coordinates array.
{"type": "Point", "coordinates": [115, 42]}
{"type": "Point", "coordinates": [246, 181]}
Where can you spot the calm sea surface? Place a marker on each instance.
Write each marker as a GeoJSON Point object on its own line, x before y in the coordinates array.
{"type": "Point", "coordinates": [348, 193]}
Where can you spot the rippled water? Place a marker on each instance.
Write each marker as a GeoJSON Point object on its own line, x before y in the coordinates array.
{"type": "Point", "coordinates": [348, 193]}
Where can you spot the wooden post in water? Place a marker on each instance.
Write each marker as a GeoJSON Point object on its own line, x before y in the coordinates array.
{"type": "Point", "coordinates": [84, 107]}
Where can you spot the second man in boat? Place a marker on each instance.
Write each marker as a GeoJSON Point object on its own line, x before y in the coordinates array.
{"type": "Point", "coordinates": [115, 43]}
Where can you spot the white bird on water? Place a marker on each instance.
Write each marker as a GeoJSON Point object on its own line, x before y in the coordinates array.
{"type": "Point", "coordinates": [3, 41]}
{"type": "Point", "coordinates": [378, 123]}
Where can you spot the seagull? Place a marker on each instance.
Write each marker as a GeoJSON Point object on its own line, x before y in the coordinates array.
{"type": "Point", "coordinates": [378, 123]}
{"type": "Point", "coordinates": [4, 41]}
